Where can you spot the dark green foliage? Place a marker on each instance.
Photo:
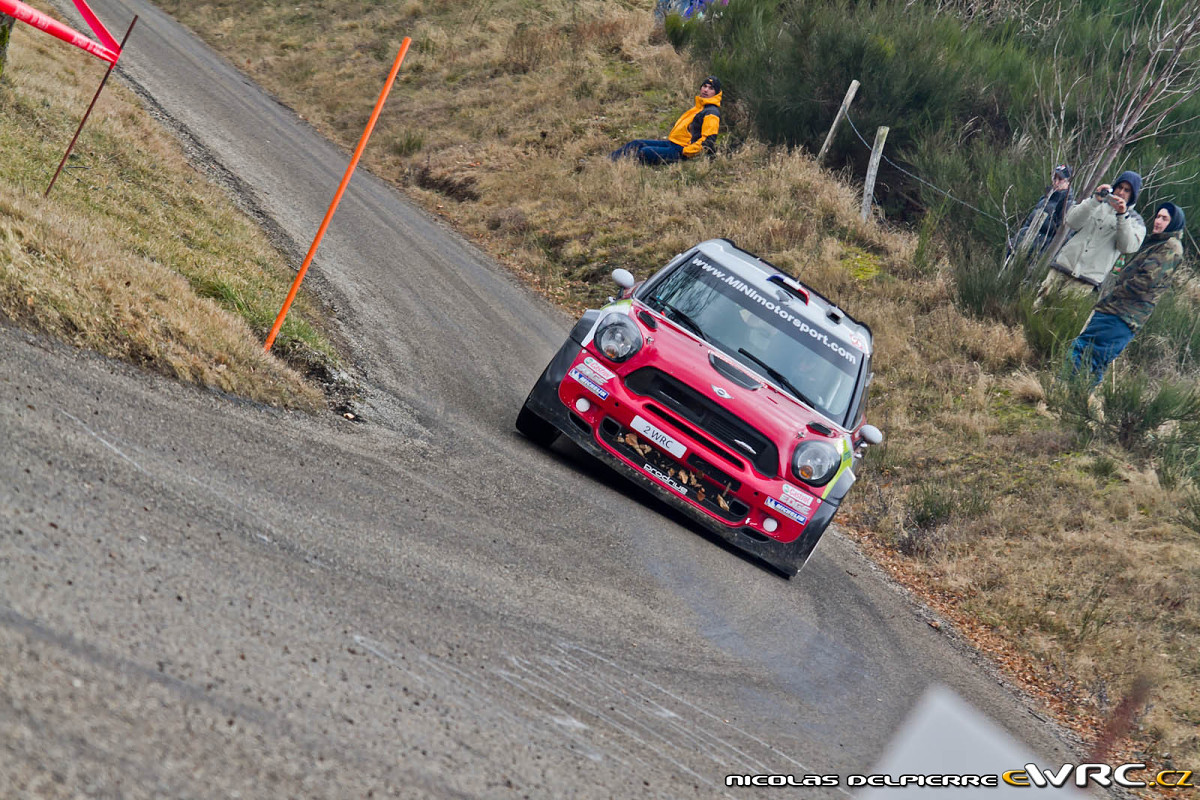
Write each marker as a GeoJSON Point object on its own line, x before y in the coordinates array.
{"type": "Point", "coordinates": [1170, 339]}
{"type": "Point", "coordinates": [6, 26]}
{"type": "Point", "coordinates": [1136, 409]}
{"type": "Point", "coordinates": [1189, 512]}
{"type": "Point", "coordinates": [678, 29]}
{"type": "Point", "coordinates": [962, 92]}
{"type": "Point", "coordinates": [1179, 457]}
{"type": "Point", "coordinates": [930, 504]}
{"type": "Point", "coordinates": [1052, 326]}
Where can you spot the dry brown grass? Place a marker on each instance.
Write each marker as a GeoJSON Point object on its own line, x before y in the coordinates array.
{"type": "Point", "coordinates": [1058, 560]}
{"type": "Point", "coordinates": [134, 255]}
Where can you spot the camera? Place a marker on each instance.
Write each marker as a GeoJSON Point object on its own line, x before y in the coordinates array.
{"type": "Point", "coordinates": [1103, 194]}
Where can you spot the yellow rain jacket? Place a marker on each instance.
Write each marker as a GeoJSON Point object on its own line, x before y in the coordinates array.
{"type": "Point", "coordinates": [697, 129]}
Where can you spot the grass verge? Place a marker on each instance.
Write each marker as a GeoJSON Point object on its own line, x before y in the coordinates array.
{"type": "Point", "coordinates": [134, 255]}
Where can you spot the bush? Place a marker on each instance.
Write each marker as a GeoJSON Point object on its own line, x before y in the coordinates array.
{"type": "Point", "coordinates": [1135, 409]}
{"type": "Point", "coordinates": [1052, 326]}
{"type": "Point", "coordinates": [1179, 457]}
{"type": "Point", "coordinates": [1189, 512]}
{"type": "Point", "coordinates": [1170, 339]}
{"type": "Point", "coordinates": [968, 95]}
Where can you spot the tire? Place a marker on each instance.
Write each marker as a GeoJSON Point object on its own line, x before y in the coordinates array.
{"type": "Point", "coordinates": [536, 429]}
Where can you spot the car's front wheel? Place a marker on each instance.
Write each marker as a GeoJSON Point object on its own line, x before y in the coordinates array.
{"type": "Point", "coordinates": [534, 428]}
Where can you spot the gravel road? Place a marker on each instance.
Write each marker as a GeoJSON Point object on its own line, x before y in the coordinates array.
{"type": "Point", "coordinates": [202, 597]}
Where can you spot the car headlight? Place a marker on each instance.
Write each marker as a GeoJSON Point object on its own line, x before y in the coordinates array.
{"type": "Point", "coordinates": [815, 463]}
{"type": "Point", "coordinates": [617, 337]}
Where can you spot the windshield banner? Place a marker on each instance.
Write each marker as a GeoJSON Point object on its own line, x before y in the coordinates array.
{"type": "Point", "coordinates": [779, 309]}
{"type": "Point", "coordinates": [109, 51]}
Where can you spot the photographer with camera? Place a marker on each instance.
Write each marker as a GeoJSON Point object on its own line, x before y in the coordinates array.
{"type": "Point", "coordinates": [1106, 226]}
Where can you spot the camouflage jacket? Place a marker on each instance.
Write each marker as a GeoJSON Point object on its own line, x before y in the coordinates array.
{"type": "Point", "coordinates": [1144, 279]}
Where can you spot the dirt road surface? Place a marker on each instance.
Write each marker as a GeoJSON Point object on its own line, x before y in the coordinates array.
{"type": "Point", "coordinates": [201, 597]}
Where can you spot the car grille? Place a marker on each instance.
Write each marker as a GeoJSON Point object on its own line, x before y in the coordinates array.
{"type": "Point", "coordinates": [700, 412]}
{"type": "Point", "coordinates": [701, 482]}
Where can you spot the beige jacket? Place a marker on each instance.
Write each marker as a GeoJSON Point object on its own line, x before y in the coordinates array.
{"type": "Point", "coordinates": [1100, 237]}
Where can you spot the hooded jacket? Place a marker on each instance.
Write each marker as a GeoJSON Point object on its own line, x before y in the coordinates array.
{"type": "Point", "coordinates": [1050, 210]}
{"type": "Point", "coordinates": [1101, 235]}
{"type": "Point", "coordinates": [697, 129]}
{"type": "Point", "coordinates": [1147, 275]}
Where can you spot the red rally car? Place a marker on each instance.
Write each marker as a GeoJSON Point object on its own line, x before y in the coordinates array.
{"type": "Point", "coordinates": [725, 387]}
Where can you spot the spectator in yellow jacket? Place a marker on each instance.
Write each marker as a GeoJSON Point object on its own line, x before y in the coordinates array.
{"type": "Point", "coordinates": [695, 132]}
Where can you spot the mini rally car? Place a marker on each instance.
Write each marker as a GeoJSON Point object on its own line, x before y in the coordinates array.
{"type": "Point", "coordinates": [725, 387]}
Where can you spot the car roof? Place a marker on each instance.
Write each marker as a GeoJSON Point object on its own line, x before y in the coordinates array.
{"type": "Point", "coordinates": [759, 272]}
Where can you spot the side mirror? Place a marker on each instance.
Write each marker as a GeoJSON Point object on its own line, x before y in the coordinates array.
{"type": "Point", "coordinates": [869, 434]}
{"type": "Point", "coordinates": [623, 277]}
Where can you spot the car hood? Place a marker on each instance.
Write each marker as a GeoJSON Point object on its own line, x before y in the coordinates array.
{"type": "Point", "coordinates": [686, 357]}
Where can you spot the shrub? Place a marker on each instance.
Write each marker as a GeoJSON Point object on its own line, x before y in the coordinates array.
{"type": "Point", "coordinates": [1052, 326]}
{"type": "Point", "coordinates": [930, 504]}
{"type": "Point", "coordinates": [407, 143]}
{"type": "Point", "coordinates": [1170, 339]}
{"type": "Point", "coordinates": [1189, 512]}
{"type": "Point", "coordinates": [1135, 409]}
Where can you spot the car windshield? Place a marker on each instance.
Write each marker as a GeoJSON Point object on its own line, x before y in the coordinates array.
{"type": "Point", "coordinates": [762, 331]}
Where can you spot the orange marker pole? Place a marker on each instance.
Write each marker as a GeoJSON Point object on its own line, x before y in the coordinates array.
{"type": "Point", "coordinates": [337, 198]}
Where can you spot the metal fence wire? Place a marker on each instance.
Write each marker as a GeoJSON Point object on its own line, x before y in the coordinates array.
{"type": "Point", "coordinates": [918, 178]}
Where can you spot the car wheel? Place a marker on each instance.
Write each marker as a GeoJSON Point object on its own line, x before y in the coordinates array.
{"type": "Point", "coordinates": [536, 429]}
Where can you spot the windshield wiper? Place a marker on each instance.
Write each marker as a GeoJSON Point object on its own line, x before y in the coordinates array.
{"type": "Point", "coordinates": [682, 317]}
{"type": "Point", "coordinates": [777, 375]}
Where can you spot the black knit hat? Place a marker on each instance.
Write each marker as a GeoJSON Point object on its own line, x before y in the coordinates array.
{"type": "Point", "coordinates": [713, 81]}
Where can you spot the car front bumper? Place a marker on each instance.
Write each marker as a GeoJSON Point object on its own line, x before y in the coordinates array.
{"type": "Point", "coordinates": [602, 432]}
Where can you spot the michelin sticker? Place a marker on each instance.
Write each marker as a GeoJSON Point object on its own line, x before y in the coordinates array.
{"type": "Point", "coordinates": [588, 384]}
{"type": "Point", "coordinates": [775, 505]}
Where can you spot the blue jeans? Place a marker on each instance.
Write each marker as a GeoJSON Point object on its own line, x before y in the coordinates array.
{"type": "Point", "coordinates": [650, 151]}
{"type": "Point", "coordinates": [1106, 335]}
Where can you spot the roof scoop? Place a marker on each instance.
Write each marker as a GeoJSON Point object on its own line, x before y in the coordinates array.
{"type": "Point", "coordinates": [790, 285]}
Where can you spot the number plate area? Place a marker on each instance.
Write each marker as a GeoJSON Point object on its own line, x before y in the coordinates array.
{"type": "Point", "coordinates": [659, 438]}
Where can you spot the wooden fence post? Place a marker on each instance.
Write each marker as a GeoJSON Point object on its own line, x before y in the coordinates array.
{"type": "Point", "coordinates": [837, 120]}
{"type": "Point", "coordinates": [873, 170]}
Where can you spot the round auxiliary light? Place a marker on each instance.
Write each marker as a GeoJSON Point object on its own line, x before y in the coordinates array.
{"type": "Point", "coordinates": [582, 405]}
{"type": "Point", "coordinates": [770, 524]}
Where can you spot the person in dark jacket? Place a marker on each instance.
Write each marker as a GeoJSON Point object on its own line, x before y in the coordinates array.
{"type": "Point", "coordinates": [693, 133]}
{"type": "Point", "coordinates": [1043, 221]}
{"type": "Point", "coordinates": [1124, 309]}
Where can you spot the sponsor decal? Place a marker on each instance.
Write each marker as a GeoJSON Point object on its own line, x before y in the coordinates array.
{"type": "Point", "coordinates": [661, 439]}
{"type": "Point", "coordinates": [667, 479]}
{"type": "Point", "coordinates": [721, 392]}
{"type": "Point", "coordinates": [795, 516]}
{"type": "Point", "coordinates": [588, 372]}
{"type": "Point", "coordinates": [1031, 776]}
{"type": "Point", "coordinates": [603, 374]}
{"type": "Point", "coordinates": [797, 498]}
{"type": "Point", "coordinates": [588, 383]}
{"type": "Point", "coordinates": [779, 309]}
